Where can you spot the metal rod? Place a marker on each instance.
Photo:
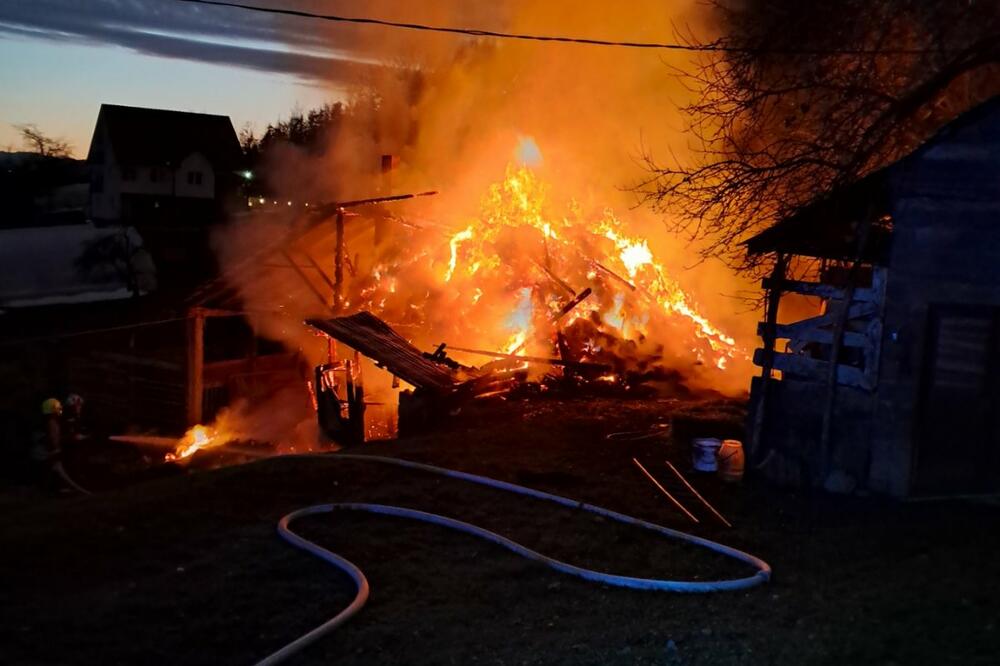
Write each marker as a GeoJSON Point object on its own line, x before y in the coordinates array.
{"type": "Point", "coordinates": [697, 494]}
{"type": "Point", "coordinates": [665, 492]}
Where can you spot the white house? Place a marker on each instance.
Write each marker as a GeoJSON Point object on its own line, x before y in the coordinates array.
{"type": "Point", "coordinates": [153, 166]}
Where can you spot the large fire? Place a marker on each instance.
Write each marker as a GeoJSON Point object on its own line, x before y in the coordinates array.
{"type": "Point", "coordinates": [522, 269]}
{"type": "Point", "coordinates": [537, 253]}
{"type": "Point", "coordinates": [503, 280]}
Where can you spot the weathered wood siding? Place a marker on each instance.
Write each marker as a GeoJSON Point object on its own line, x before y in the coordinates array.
{"type": "Point", "coordinates": [795, 410]}
{"type": "Point", "coordinates": [945, 251]}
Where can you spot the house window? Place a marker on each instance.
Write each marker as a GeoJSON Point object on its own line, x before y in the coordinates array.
{"type": "Point", "coordinates": [128, 173]}
{"type": "Point", "coordinates": [194, 177]}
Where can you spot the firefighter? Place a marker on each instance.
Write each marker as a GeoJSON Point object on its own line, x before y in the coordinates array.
{"type": "Point", "coordinates": [47, 445]}
{"type": "Point", "coordinates": [47, 449]}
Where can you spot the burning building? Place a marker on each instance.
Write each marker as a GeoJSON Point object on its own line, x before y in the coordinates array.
{"type": "Point", "coordinates": [543, 289]}
{"type": "Point", "coordinates": [533, 246]}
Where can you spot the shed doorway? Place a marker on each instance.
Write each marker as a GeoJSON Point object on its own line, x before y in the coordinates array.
{"type": "Point", "coordinates": [957, 444]}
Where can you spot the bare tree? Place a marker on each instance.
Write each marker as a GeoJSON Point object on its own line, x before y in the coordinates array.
{"type": "Point", "coordinates": [804, 96]}
{"type": "Point", "coordinates": [43, 144]}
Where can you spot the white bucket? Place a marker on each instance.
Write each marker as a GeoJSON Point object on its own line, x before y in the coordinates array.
{"type": "Point", "coordinates": [731, 460]}
{"type": "Point", "coordinates": [703, 453]}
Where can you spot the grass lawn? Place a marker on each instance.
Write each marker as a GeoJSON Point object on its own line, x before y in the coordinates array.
{"type": "Point", "coordinates": [187, 568]}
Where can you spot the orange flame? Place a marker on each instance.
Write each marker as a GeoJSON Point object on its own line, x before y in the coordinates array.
{"type": "Point", "coordinates": [197, 438]}
{"type": "Point", "coordinates": [501, 279]}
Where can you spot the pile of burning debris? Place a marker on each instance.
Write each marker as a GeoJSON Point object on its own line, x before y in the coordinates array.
{"type": "Point", "coordinates": [560, 296]}
{"type": "Point", "coordinates": [441, 384]}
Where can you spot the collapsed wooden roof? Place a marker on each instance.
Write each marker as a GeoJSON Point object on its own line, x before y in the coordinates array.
{"type": "Point", "coordinates": [378, 341]}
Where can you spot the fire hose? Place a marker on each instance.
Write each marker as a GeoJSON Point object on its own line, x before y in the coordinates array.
{"type": "Point", "coordinates": [285, 531]}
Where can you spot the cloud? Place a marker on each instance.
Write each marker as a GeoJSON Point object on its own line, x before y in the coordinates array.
{"type": "Point", "coordinates": [200, 33]}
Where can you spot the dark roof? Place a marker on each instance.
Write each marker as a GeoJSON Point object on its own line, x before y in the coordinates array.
{"type": "Point", "coordinates": [973, 117]}
{"type": "Point", "coordinates": [143, 137]}
{"type": "Point", "coordinates": [827, 227]}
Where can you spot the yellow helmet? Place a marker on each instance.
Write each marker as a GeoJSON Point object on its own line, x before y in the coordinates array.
{"type": "Point", "coordinates": [52, 406]}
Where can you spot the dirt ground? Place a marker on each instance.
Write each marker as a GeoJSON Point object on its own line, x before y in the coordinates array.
{"type": "Point", "coordinates": [187, 568]}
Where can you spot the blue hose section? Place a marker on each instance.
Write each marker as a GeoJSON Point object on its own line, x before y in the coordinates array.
{"type": "Point", "coordinates": [762, 574]}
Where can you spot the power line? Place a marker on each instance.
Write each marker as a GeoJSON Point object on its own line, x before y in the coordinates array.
{"type": "Point", "coordinates": [126, 327]}
{"type": "Point", "coordinates": [476, 32]}
{"type": "Point", "coordinates": [91, 331]}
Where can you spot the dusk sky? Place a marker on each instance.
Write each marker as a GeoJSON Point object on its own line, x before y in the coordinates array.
{"type": "Point", "coordinates": [63, 58]}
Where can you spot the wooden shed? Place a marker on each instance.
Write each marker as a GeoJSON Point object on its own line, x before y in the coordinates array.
{"type": "Point", "coordinates": [892, 385]}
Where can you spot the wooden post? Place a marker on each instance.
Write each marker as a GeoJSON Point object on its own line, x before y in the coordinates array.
{"type": "Point", "coordinates": [195, 364]}
{"type": "Point", "coordinates": [338, 263]}
{"type": "Point", "coordinates": [840, 324]}
{"type": "Point", "coordinates": [769, 336]}
{"type": "Point", "coordinates": [357, 414]}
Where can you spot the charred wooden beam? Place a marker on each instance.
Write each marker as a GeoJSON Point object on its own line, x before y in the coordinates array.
{"type": "Point", "coordinates": [333, 208]}
{"type": "Point", "coordinates": [439, 355]}
{"type": "Point", "coordinates": [569, 307]}
{"type": "Point", "coordinates": [611, 273]}
{"type": "Point", "coordinates": [582, 365]}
